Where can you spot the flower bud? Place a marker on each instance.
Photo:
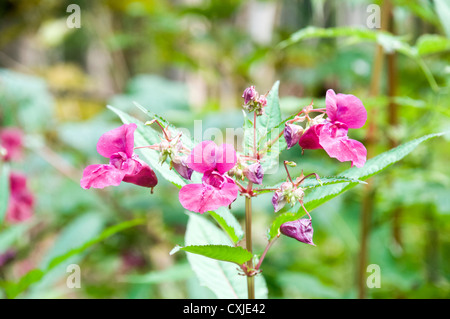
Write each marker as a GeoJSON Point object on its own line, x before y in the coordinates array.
{"type": "Point", "coordinates": [300, 229]}
{"type": "Point", "coordinates": [278, 201]}
{"type": "Point", "coordinates": [292, 134]}
{"type": "Point", "coordinates": [254, 173]}
{"type": "Point", "coordinates": [249, 94]}
{"type": "Point", "coordinates": [179, 163]}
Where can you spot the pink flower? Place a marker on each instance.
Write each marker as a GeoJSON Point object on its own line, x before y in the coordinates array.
{"type": "Point", "coordinates": [124, 165]}
{"type": "Point", "coordinates": [11, 139]}
{"type": "Point", "coordinates": [300, 229]}
{"type": "Point", "coordinates": [216, 189]}
{"type": "Point", "coordinates": [344, 111]}
{"type": "Point", "coordinates": [21, 200]}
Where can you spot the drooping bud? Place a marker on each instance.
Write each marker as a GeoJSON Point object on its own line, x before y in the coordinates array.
{"type": "Point", "coordinates": [300, 229]}
{"type": "Point", "coordinates": [278, 201]}
{"type": "Point", "coordinates": [179, 163]}
{"type": "Point", "coordinates": [249, 94]}
{"type": "Point", "coordinates": [254, 173]}
{"type": "Point", "coordinates": [292, 134]}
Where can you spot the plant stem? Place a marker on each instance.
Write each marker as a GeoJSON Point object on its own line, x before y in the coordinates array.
{"type": "Point", "coordinates": [248, 243]}
{"type": "Point", "coordinates": [269, 244]}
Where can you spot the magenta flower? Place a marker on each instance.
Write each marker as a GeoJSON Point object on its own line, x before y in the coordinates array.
{"type": "Point", "coordinates": [344, 111]}
{"type": "Point", "coordinates": [11, 139]}
{"type": "Point", "coordinates": [300, 229]}
{"type": "Point", "coordinates": [124, 165]}
{"type": "Point", "coordinates": [21, 200]}
{"type": "Point", "coordinates": [216, 189]}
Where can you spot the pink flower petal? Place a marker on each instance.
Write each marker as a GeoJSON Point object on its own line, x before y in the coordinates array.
{"type": "Point", "coordinates": [120, 139]}
{"type": "Point", "coordinates": [345, 108]}
{"type": "Point", "coordinates": [226, 158]}
{"type": "Point", "coordinates": [21, 201]}
{"type": "Point", "coordinates": [11, 139]}
{"type": "Point", "coordinates": [100, 176]}
{"type": "Point", "coordinates": [203, 197]}
{"type": "Point", "coordinates": [310, 139]}
{"type": "Point", "coordinates": [142, 175]}
{"type": "Point", "coordinates": [203, 157]}
{"type": "Point", "coordinates": [339, 146]}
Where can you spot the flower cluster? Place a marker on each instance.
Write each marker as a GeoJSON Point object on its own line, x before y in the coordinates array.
{"type": "Point", "coordinates": [253, 101]}
{"type": "Point", "coordinates": [124, 165]}
{"type": "Point", "coordinates": [344, 112]}
{"type": "Point", "coordinates": [222, 169]}
{"type": "Point", "coordinates": [21, 200]}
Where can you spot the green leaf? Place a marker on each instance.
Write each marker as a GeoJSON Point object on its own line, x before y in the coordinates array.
{"type": "Point", "coordinates": [442, 8]}
{"type": "Point", "coordinates": [4, 191]}
{"type": "Point", "coordinates": [432, 43]}
{"type": "Point", "coordinates": [321, 195]}
{"type": "Point", "coordinates": [144, 136]}
{"type": "Point", "coordinates": [249, 136]}
{"type": "Point", "coordinates": [222, 278]}
{"type": "Point", "coordinates": [174, 273]}
{"type": "Point", "coordinates": [272, 112]}
{"type": "Point", "coordinates": [237, 255]}
{"type": "Point", "coordinates": [14, 289]}
{"type": "Point", "coordinates": [357, 35]}
{"type": "Point", "coordinates": [14, 232]}
{"type": "Point", "coordinates": [229, 223]}
{"type": "Point", "coordinates": [312, 182]}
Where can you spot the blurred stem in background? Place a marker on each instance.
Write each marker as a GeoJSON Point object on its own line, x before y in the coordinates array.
{"type": "Point", "coordinates": [369, 192]}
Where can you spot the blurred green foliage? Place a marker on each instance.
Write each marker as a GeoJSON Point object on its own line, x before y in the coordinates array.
{"type": "Point", "coordinates": [191, 60]}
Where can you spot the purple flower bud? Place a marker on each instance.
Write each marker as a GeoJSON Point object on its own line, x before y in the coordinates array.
{"type": "Point", "coordinates": [262, 100]}
{"type": "Point", "coordinates": [292, 134]}
{"type": "Point", "coordinates": [179, 163]}
{"type": "Point", "coordinates": [249, 94]}
{"type": "Point", "coordinates": [254, 173]}
{"type": "Point", "coordinates": [278, 201]}
{"type": "Point", "coordinates": [300, 229]}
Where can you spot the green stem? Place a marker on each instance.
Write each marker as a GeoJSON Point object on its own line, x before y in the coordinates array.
{"type": "Point", "coordinates": [248, 243]}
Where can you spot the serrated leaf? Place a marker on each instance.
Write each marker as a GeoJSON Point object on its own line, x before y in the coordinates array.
{"type": "Point", "coordinates": [237, 255]}
{"type": "Point", "coordinates": [387, 40]}
{"type": "Point", "coordinates": [229, 223]}
{"type": "Point", "coordinates": [312, 182]}
{"type": "Point", "coordinates": [187, 141]}
{"type": "Point", "coordinates": [272, 112]}
{"type": "Point", "coordinates": [220, 277]}
{"type": "Point", "coordinates": [321, 195]}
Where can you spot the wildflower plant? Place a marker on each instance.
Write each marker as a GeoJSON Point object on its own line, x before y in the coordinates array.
{"type": "Point", "coordinates": [211, 176]}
